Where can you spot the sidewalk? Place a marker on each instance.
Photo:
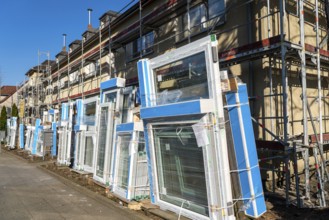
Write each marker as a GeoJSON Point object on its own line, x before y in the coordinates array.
{"type": "Point", "coordinates": [27, 192]}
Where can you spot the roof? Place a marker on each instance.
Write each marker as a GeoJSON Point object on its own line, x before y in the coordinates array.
{"type": "Point", "coordinates": [109, 13]}
{"type": "Point", "coordinates": [77, 42]}
{"type": "Point", "coordinates": [8, 90]}
{"type": "Point", "coordinates": [31, 71]}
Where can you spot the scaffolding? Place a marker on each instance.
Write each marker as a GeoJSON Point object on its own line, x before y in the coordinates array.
{"type": "Point", "coordinates": [280, 54]}
{"type": "Point", "coordinates": [277, 48]}
{"type": "Point", "coordinates": [273, 47]}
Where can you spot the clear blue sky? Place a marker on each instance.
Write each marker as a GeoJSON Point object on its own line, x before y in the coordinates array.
{"type": "Point", "coordinates": [27, 26]}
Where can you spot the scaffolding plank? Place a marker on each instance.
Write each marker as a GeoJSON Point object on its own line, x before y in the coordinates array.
{"type": "Point", "coordinates": [248, 48]}
{"type": "Point", "coordinates": [325, 136]}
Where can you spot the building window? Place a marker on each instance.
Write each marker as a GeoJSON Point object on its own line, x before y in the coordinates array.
{"type": "Point", "coordinates": [202, 17]}
{"type": "Point", "coordinates": [74, 77]}
{"type": "Point", "coordinates": [198, 17]}
{"type": "Point", "coordinates": [216, 8]}
{"type": "Point", "coordinates": [292, 7]}
{"type": "Point", "coordinates": [142, 45]}
{"type": "Point", "coordinates": [92, 69]}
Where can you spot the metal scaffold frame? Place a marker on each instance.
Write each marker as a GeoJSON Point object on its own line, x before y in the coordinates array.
{"type": "Point", "coordinates": [300, 53]}
{"type": "Point", "coordinates": [279, 52]}
{"type": "Point", "coordinates": [291, 146]}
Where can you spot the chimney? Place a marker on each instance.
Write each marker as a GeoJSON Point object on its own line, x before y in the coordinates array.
{"type": "Point", "coordinates": [64, 42]}
{"type": "Point", "coordinates": [89, 18]}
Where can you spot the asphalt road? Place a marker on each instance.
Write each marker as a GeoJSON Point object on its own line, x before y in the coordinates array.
{"type": "Point", "coordinates": [27, 192]}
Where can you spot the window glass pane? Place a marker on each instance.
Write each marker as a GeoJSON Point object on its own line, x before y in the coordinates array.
{"type": "Point", "coordinates": [78, 147]}
{"type": "Point", "coordinates": [216, 8]}
{"type": "Point", "coordinates": [144, 45]}
{"type": "Point", "coordinates": [180, 167]}
{"type": "Point", "coordinates": [198, 17]}
{"type": "Point", "coordinates": [129, 51]}
{"type": "Point", "coordinates": [125, 108]}
{"type": "Point", "coordinates": [292, 7]}
{"type": "Point", "coordinates": [182, 80]}
{"type": "Point", "coordinates": [141, 175]}
{"type": "Point", "coordinates": [148, 41]}
{"type": "Point", "coordinates": [89, 113]}
{"type": "Point", "coordinates": [89, 151]}
{"type": "Point", "coordinates": [123, 168]}
{"type": "Point", "coordinates": [102, 142]}
{"type": "Point", "coordinates": [110, 97]}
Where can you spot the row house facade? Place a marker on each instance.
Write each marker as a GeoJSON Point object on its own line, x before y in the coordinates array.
{"type": "Point", "coordinates": [278, 48]}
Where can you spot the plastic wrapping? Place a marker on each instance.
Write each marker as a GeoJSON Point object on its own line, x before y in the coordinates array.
{"type": "Point", "coordinates": [35, 136]}
{"type": "Point", "coordinates": [11, 134]}
{"type": "Point", "coordinates": [21, 136]}
{"type": "Point", "coordinates": [188, 167]}
{"type": "Point", "coordinates": [104, 129]}
{"type": "Point", "coordinates": [54, 146]}
{"type": "Point", "coordinates": [74, 77]}
{"type": "Point", "coordinates": [63, 155]}
{"type": "Point", "coordinates": [89, 113]}
{"type": "Point", "coordinates": [180, 167]}
{"type": "Point", "coordinates": [107, 120]}
{"type": "Point", "coordinates": [182, 80]}
{"type": "Point", "coordinates": [28, 137]}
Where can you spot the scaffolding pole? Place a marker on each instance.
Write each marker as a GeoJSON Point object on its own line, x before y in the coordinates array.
{"type": "Point", "coordinates": [318, 65]}
{"type": "Point", "coordinates": [81, 68]}
{"type": "Point", "coordinates": [303, 70]}
{"type": "Point", "coordinates": [284, 81]}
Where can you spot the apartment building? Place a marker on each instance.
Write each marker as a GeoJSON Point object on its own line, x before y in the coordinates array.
{"type": "Point", "coordinates": [278, 48]}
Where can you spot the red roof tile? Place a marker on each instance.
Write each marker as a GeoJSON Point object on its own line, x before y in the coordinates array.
{"type": "Point", "coordinates": [8, 90]}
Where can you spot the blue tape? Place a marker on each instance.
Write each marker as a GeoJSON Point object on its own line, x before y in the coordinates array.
{"type": "Point", "coordinates": [242, 132]}
{"type": "Point", "coordinates": [35, 136]}
{"type": "Point", "coordinates": [54, 129]}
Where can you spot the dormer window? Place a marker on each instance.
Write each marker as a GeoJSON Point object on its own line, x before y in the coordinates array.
{"type": "Point", "coordinates": [105, 21]}
{"type": "Point", "coordinates": [102, 25]}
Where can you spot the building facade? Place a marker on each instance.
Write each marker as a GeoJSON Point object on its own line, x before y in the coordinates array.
{"type": "Point", "coordinates": [278, 48]}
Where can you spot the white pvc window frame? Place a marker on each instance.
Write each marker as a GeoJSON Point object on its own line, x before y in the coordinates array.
{"type": "Point", "coordinates": [92, 135]}
{"type": "Point", "coordinates": [80, 153]}
{"type": "Point", "coordinates": [29, 138]}
{"type": "Point", "coordinates": [65, 138]}
{"type": "Point", "coordinates": [209, 176]}
{"type": "Point", "coordinates": [124, 193]}
{"type": "Point", "coordinates": [110, 136]}
{"type": "Point", "coordinates": [40, 147]}
{"type": "Point", "coordinates": [132, 189]}
{"type": "Point", "coordinates": [219, 192]}
{"type": "Point", "coordinates": [86, 102]}
{"type": "Point", "coordinates": [179, 54]}
{"type": "Point", "coordinates": [62, 145]}
{"type": "Point", "coordinates": [108, 141]}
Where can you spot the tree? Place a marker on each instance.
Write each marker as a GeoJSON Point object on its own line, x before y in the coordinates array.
{"type": "Point", "coordinates": [3, 119]}
{"type": "Point", "coordinates": [14, 111]}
